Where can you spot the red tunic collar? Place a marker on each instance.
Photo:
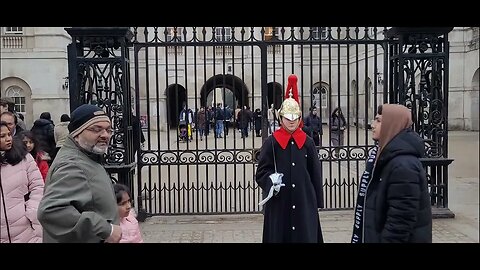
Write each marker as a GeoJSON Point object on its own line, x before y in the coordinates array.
{"type": "Point", "coordinates": [282, 136]}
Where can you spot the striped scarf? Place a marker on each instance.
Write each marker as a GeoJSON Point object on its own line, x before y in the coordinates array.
{"type": "Point", "coordinates": [357, 236]}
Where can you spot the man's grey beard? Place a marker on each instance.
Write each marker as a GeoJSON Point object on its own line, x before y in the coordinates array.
{"type": "Point", "coordinates": [99, 150]}
{"type": "Point", "coordinates": [92, 148]}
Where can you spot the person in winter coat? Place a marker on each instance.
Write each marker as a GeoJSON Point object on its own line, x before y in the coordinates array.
{"type": "Point", "coordinates": [11, 120]}
{"type": "Point", "coordinates": [43, 129]}
{"type": "Point", "coordinates": [202, 123]}
{"type": "Point", "coordinates": [138, 137]}
{"type": "Point", "coordinates": [219, 119]}
{"type": "Point", "coordinates": [244, 120]}
{"type": "Point", "coordinates": [8, 104]}
{"type": "Point", "coordinates": [393, 205]}
{"type": "Point", "coordinates": [257, 119]}
{"type": "Point", "coordinates": [60, 132]}
{"type": "Point", "coordinates": [128, 222]}
{"type": "Point", "coordinates": [314, 124]}
{"type": "Point", "coordinates": [34, 149]}
{"type": "Point", "coordinates": [21, 121]}
{"type": "Point", "coordinates": [186, 116]}
{"type": "Point", "coordinates": [227, 116]}
{"type": "Point", "coordinates": [290, 177]}
{"type": "Point", "coordinates": [79, 204]}
{"type": "Point", "coordinates": [338, 125]}
{"type": "Point", "coordinates": [21, 189]}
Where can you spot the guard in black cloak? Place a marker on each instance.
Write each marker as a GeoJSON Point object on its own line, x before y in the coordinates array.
{"type": "Point", "coordinates": [289, 173]}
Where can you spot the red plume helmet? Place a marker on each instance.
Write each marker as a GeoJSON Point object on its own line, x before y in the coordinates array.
{"type": "Point", "coordinates": [292, 84]}
{"type": "Point", "coordinates": [290, 108]}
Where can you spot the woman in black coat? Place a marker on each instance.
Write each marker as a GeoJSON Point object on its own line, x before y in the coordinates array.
{"type": "Point", "coordinates": [338, 125]}
{"type": "Point", "coordinates": [291, 208]}
{"type": "Point", "coordinates": [396, 200]}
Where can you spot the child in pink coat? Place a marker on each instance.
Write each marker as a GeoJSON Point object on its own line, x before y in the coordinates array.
{"type": "Point", "coordinates": [129, 224]}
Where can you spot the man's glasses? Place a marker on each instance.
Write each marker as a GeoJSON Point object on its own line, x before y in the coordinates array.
{"type": "Point", "coordinates": [99, 130]}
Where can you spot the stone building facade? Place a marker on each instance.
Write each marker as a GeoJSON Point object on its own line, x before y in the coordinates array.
{"type": "Point", "coordinates": [34, 71]}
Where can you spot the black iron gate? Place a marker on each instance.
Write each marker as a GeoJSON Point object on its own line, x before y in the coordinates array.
{"type": "Point", "coordinates": [180, 70]}
{"type": "Point", "coordinates": [419, 73]}
{"type": "Point", "coordinates": [176, 71]}
{"type": "Point", "coordinates": [99, 73]}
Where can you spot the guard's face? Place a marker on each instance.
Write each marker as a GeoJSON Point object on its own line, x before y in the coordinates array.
{"type": "Point", "coordinates": [5, 138]}
{"type": "Point", "coordinates": [290, 125]}
{"type": "Point", "coordinates": [96, 137]}
{"type": "Point", "coordinates": [376, 127]}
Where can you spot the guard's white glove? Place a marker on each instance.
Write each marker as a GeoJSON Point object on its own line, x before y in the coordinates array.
{"type": "Point", "coordinates": [277, 184]}
{"type": "Point", "coordinates": [277, 181]}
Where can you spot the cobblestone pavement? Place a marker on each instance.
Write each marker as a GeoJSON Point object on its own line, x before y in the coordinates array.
{"type": "Point", "coordinates": [247, 228]}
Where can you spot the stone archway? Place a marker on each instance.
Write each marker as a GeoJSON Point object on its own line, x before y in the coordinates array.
{"type": "Point", "coordinates": [230, 82]}
{"type": "Point", "coordinates": [176, 99]}
{"type": "Point", "coordinates": [274, 94]}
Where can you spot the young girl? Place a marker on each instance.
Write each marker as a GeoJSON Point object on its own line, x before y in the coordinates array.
{"type": "Point", "coordinates": [41, 157]}
{"type": "Point", "coordinates": [129, 224]}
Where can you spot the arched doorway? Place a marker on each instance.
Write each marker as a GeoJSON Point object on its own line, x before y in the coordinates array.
{"type": "Point", "coordinates": [21, 93]}
{"type": "Point", "coordinates": [225, 82]}
{"type": "Point", "coordinates": [18, 96]}
{"type": "Point", "coordinates": [176, 98]}
{"type": "Point", "coordinates": [221, 95]}
{"type": "Point", "coordinates": [274, 94]}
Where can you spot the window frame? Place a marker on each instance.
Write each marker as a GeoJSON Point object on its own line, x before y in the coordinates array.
{"type": "Point", "coordinates": [171, 34]}
{"type": "Point", "coordinates": [220, 37]}
{"type": "Point", "coordinates": [11, 31]}
{"type": "Point", "coordinates": [270, 33]}
{"type": "Point", "coordinates": [18, 95]}
{"type": "Point", "coordinates": [322, 100]}
{"type": "Point", "coordinates": [319, 33]}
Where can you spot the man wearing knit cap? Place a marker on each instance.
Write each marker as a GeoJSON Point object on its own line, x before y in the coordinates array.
{"type": "Point", "coordinates": [79, 203]}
